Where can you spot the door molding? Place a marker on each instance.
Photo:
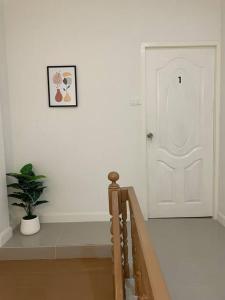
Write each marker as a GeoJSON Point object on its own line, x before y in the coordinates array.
{"type": "Point", "coordinates": [216, 114]}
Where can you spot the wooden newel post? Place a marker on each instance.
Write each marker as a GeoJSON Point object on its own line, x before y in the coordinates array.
{"type": "Point", "coordinates": [114, 186]}
{"type": "Point", "coordinates": [113, 177]}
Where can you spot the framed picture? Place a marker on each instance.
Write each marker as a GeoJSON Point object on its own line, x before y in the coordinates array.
{"type": "Point", "coordinates": [62, 86]}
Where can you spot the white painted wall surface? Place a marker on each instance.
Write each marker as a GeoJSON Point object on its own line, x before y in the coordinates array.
{"type": "Point", "coordinates": [221, 213]}
{"type": "Point", "coordinates": [76, 147]}
{"type": "Point", "coordinates": [5, 229]}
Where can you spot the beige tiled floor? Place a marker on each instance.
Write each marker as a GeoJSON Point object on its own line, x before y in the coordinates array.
{"type": "Point", "coordinates": [60, 240]}
{"type": "Point", "coordinates": [64, 234]}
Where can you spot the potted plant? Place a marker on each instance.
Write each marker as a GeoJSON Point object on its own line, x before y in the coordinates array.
{"type": "Point", "coordinates": [29, 188]}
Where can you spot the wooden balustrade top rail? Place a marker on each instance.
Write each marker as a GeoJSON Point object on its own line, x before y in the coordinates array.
{"type": "Point", "coordinates": [149, 281]}
{"type": "Point", "coordinates": [155, 277]}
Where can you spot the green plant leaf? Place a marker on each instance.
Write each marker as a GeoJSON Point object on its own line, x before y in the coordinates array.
{"type": "Point", "coordinates": [27, 184]}
{"type": "Point", "coordinates": [19, 204]}
{"type": "Point", "coordinates": [30, 185]}
{"type": "Point", "coordinates": [20, 177]}
{"type": "Point", "coordinates": [36, 194]}
{"type": "Point", "coordinates": [15, 186]}
{"type": "Point", "coordinates": [27, 170]}
{"type": "Point", "coordinates": [40, 202]}
{"type": "Point", "coordinates": [25, 177]}
{"type": "Point", "coordinates": [41, 189]}
{"type": "Point", "coordinates": [36, 177]}
{"type": "Point", "coordinates": [15, 175]}
{"type": "Point", "coordinates": [20, 196]}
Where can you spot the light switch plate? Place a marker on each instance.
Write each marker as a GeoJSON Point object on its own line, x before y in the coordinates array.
{"type": "Point", "coordinates": [135, 101]}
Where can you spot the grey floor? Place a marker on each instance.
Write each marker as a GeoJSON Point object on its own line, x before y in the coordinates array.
{"type": "Point", "coordinates": [60, 240]}
{"type": "Point", "coordinates": [192, 257]}
{"type": "Point", "coordinates": [191, 251]}
{"type": "Point", "coordinates": [63, 234]}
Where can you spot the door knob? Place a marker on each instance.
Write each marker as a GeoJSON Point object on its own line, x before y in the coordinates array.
{"type": "Point", "coordinates": [150, 135]}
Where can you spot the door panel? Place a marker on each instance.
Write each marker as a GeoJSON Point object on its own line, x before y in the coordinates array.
{"type": "Point", "coordinates": [165, 175]}
{"type": "Point", "coordinates": [192, 181]}
{"type": "Point", "coordinates": [180, 97]}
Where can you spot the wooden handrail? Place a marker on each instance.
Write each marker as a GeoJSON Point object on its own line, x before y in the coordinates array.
{"type": "Point", "coordinates": [155, 280]}
{"type": "Point", "coordinates": [149, 281]}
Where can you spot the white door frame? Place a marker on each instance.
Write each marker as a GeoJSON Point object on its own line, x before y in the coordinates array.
{"type": "Point", "coordinates": [216, 113]}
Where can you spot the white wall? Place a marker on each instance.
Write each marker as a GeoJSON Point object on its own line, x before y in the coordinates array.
{"type": "Point", "coordinates": [5, 229]}
{"type": "Point", "coordinates": [76, 148]}
{"type": "Point", "coordinates": [221, 214]}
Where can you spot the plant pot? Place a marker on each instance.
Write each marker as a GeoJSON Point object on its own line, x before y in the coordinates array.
{"type": "Point", "coordinates": [29, 226]}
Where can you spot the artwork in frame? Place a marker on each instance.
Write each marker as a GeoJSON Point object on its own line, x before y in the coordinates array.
{"type": "Point", "coordinates": [62, 86]}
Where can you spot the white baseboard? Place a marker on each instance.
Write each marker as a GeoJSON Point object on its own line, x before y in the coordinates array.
{"type": "Point", "coordinates": [5, 235]}
{"type": "Point", "coordinates": [221, 218]}
{"type": "Point", "coordinates": [74, 217]}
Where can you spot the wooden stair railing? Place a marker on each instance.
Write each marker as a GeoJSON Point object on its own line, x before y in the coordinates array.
{"type": "Point", "coordinates": [115, 212]}
{"type": "Point", "coordinates": [149, 281]}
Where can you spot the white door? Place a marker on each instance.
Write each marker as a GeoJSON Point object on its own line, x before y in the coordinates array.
{"type": "Point", "coordinates": [180, 104]}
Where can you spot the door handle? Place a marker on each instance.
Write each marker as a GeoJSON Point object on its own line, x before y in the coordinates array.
{"type": "Point", "coordinates": [150, 135]}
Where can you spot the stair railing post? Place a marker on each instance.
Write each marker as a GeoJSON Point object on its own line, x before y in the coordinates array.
{"type": "Point", "coordinates": [114, 186]}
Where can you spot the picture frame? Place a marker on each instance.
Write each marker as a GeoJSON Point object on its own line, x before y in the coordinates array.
{"type": "Point", "coordinates": [62, 86]}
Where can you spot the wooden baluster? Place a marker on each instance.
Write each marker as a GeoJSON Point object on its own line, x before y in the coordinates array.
{"type": "Point", "coordinates": [125, 236]}
{"type": "Point", "coordinates": [134, 249]}
{"type": "Point", "coordinates": [122, 255]}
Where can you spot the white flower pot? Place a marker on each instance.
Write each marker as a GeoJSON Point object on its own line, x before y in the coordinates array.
{"type": "Point", "coordinates": [29, 226]}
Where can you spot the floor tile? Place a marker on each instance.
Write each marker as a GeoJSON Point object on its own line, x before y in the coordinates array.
{"type": "Point", "coordinates": [85, 233]}
{"type": "Point", "coordinates": [27, 253]}
{"type": "Point", "coordinates": [47, 236]}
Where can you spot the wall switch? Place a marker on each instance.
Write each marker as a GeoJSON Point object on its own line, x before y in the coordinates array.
{"type": "Point", "coordinates": [135, 101]}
